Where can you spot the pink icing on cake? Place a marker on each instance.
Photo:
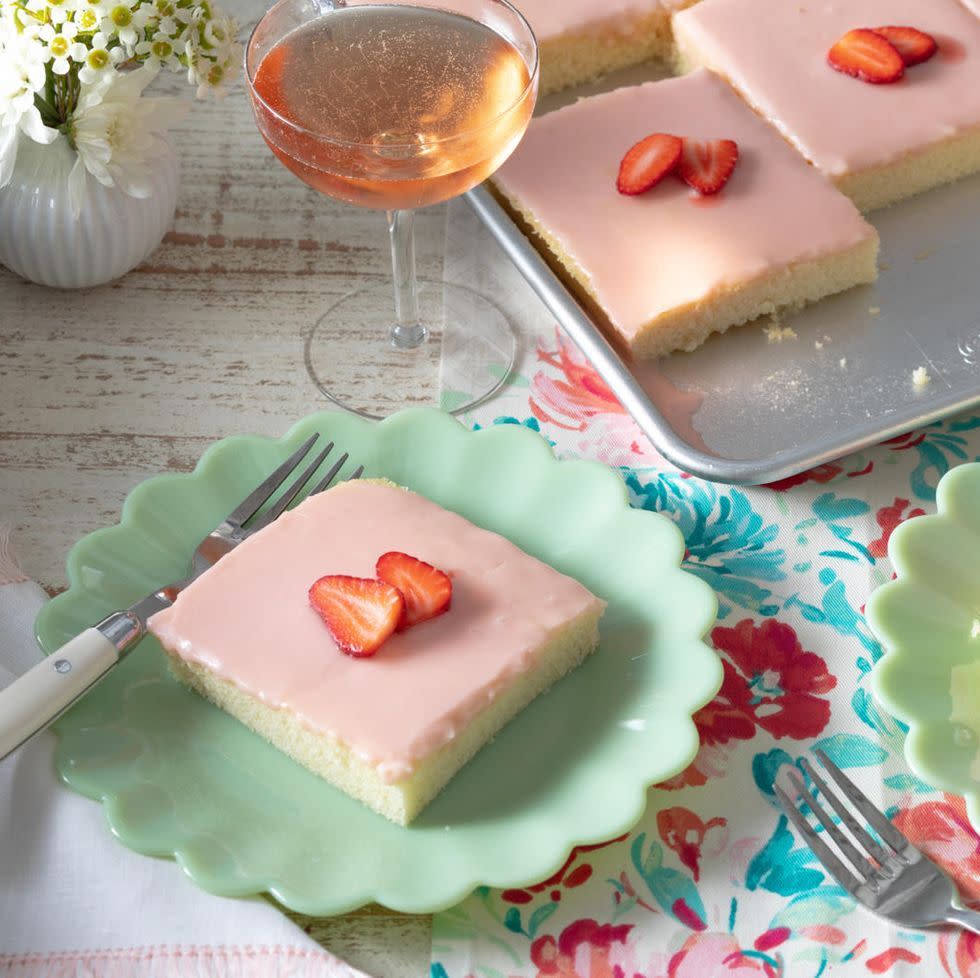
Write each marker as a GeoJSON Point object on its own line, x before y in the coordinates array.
{"type": "Point", "coordinates": [842, 125]}
{"type": "Point", "coordinates": [666, 249]}
{"type": "Point", "coordinates": [248, 619]}
{"type": "Point", "coordinates": [550, 19]}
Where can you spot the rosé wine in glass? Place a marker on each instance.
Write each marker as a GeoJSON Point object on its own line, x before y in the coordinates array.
{"type": "Point", "coordinates": [392, 105]}
{"type": "Point", "coordinates": [421, 104]}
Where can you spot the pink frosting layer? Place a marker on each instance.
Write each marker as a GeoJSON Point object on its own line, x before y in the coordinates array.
{"type": "Point", "coordinates": [841, 124]}
{"type": "Point", "coordinates": [550, 19]}
{"type": "Point", "coordinates": [669, 248]}
{"type": "Point", "coordinates": [249, 620]}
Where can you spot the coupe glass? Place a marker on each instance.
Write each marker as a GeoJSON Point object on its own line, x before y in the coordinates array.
{"type": "Point", "coordinates": [394, 105]}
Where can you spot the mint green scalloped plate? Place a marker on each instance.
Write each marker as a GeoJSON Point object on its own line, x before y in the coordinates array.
{"type": "Point", "coordinates": [928, 619]}
{"type": "Point", "coordinates": [180, 778]}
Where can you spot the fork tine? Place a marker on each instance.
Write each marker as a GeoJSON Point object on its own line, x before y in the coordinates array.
{"type": "Point", "coordinates": [854, 857]}
{"type": "Point", "coordinates": [329, 477]}
{"type": "Point", "coordinates": [863, 804]}
{"type": "Point", "coordinates": [289, 494]}
{"type": "Point", "coordinates": [856, 829]}
{"type": "Point", "coordinates": [824, 853]}
{"type": "Point", "coordinates": [357, 473]}
{"type": "Point", "coordinates": [250, 505]}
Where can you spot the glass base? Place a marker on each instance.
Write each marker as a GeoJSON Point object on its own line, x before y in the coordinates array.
{"type": "Point", "coordinates": [466, 356]}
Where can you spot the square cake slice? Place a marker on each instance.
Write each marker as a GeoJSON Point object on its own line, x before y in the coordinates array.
{"type": "Point", "coordinates": [877, 142]}
{"type": "Point", "coordinates": [579, 40]}
{"type": "Point", "coordinates": [392, 729]}
{"type": "Point", "coordinates": [665, 269]}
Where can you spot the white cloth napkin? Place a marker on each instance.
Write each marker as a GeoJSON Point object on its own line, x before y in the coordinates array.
{"type": "Point", "coordinates": [74, 902]}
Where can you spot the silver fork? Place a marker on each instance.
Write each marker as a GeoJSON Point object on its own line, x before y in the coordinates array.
{"type": "Point", "coordinates": [891, 877]}
{"type": "Point", "coordinates": [43, 693]}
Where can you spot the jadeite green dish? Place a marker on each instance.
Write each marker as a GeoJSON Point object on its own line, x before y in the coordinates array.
{"type": "Point", "coordinates": [180, 778]}
{"type": "Point", "coordinates": [928, 619]}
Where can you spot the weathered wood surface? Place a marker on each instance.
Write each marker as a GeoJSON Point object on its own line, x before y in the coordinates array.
{"type": "Point", "coordinates": [100, 389]}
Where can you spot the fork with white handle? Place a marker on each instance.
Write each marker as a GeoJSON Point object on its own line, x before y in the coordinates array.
{"type": "Point", "coordinates": [43, 693]}
{"type": "Point", "coordinates": [893, 879]}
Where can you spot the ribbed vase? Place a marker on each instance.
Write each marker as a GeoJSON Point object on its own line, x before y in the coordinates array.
{"type": "Point", "coordinates": [40, 238]}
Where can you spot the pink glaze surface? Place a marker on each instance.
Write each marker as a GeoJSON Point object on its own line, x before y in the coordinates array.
{"type": "Point", "coordinates": [668, 248]}
{"type": "Point", "coordinates": [249, 620]}
{"type": "Point", "coordinates": [841, 124]}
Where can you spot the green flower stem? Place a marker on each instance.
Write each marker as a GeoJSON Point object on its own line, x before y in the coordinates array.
{"type": "Point", "coordinates": [49, 96]}
{"type": "Point", "coordinates": [48, 115]}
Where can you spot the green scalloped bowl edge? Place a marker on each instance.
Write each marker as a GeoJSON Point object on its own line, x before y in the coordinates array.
{"type": "Point", "coordinates": [882, 675]}
{"type": "Point", "coordinates": [440, 894]}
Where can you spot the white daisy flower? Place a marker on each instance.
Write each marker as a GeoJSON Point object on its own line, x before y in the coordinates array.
{"type": "Point", "coordinates": [126, 23]}
{"type": "Point", "coordinates": [115, 131]}
{"type": "Point", "coordinates": [87, 20]}
{"type": "Point", "coordinates": [61, 48]}
{"type": "Point", "coordinates": [100, 8]}
{"type": "Point", "coordinates": [21, 75]}
{"type": "Point", "coordinates": [159, 51]}
{"type": "Point", "coordinates": [99, 59]}
{"type": "Point", "coordinates": [91, 13]}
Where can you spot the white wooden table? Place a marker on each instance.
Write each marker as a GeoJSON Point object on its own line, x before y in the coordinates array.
{"type": "Point", "coordinates": [102, 388]}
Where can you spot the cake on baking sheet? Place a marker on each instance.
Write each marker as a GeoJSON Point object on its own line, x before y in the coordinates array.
{"type": "Point", "coordinates": [579, 40]}
{"type": "Point", "coordinates": [878, 142]}
{"type": "Point", "coordinates": [666, 268]}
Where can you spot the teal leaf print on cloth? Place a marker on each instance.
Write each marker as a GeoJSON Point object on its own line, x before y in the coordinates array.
{"type": "Point", "coordinates": [729, 545]}
{"type": "Point", "coordinates": [832, 509]}
{"type": "Point", "coordinates": [531, 423]}
{"type": "Point", "coordinates": [891, 733]}
{"type": "Point", "coordinates": [852, 750]}
{"type": "Point", "coordinates": [779, 868]}
{"type": "Point", "coordinates": [824, 905]}
{"type": "Point", "coordinates": [837, 611]}
{"type": "Point", "coordinates": [672, 890]}
{"type": "Point", "coordinates": [909, 783]}
{"type": "Point", "coordinates": [539, 917]}
{"type": "Point", "coordinates": [939, 447]}
{"type": "Point", "coordinates": [766, 768]}
{"type": "Point", "coordinates": [835, 512]}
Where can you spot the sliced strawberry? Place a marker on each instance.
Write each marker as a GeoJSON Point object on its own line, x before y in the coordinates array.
{"type": "Point", "coordinates": [361, 613]}
{"type": "Point", "coordinates": [427, 590]}
{"type": "Point", "coordinates": [913, 46]}
{"type": "Point", "coordinates": [706, 165]}
{"type": "Point", "coordinates": [647, 162]}
{"type": "Point", "coordinates": [868, 56]}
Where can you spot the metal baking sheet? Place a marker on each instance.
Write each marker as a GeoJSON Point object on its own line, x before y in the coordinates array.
{"type": "Point", "coordinates": [745, 410]}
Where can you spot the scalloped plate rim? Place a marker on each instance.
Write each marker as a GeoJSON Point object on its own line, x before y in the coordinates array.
{"type": "Point", "coordinates": [894, 657]}
{"type": "Point", "coordinates": [451, 891]}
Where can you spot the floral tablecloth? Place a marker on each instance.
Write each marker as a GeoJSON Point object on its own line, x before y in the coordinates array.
{"type": "Point", "coordinates": [713, 881]}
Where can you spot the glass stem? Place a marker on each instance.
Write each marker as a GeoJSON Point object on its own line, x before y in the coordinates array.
{"type": "Point", "coordinates": [407, 333]}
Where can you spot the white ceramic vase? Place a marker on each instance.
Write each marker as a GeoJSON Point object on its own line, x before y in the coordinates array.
{"type": "Point", "coordinates": [40, 238]}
